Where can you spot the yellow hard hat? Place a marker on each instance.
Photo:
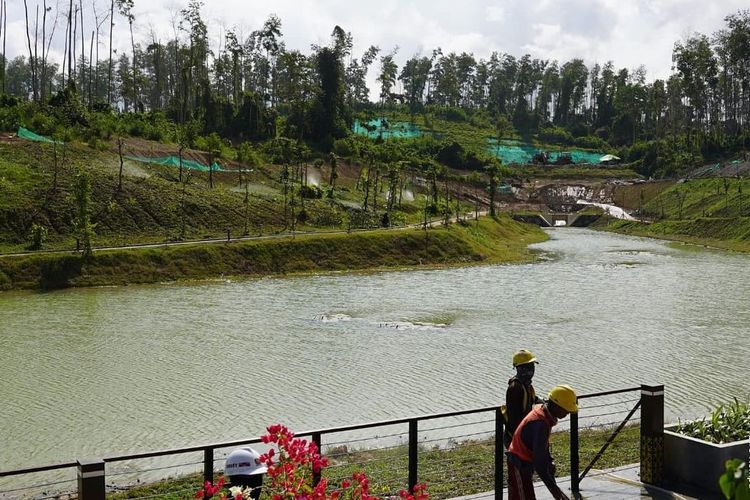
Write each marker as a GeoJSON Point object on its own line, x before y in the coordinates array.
{"type": "Point", "coordinates": [565, 397]}
{"type": "Point", "coordinates": [523, 357]}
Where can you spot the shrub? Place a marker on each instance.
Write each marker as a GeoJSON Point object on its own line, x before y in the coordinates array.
{"type": "Point", "coordinates": [37, 236]}
{"type": "Point", "coordinates": [291, 470]}
{"type": "Point", "coordinates": [455, 115]}
{"type": "Point", "coordinates": [43, 124]}
{"type": "Point", "coordinates": [346, 148]}
{"type": "Point", "coordinates": [555, 135]}
{"type": "Point", "coordinates": [5, 282]}
{"type": "Point", "coordinates": [728, 423]}
{"type": "Point", "coordinates": [311, 192]}
{"type": "Point", "coordinates": [590, 142]}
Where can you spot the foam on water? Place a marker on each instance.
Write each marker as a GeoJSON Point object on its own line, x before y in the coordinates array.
{"type": "Point", "coordinates": [408, 325]}
{"type": "Point", "coordinates": [333, 318]}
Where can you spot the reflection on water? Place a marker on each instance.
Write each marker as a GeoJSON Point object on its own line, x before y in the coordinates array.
{"type": "Point", "coordinates": [107, 371]}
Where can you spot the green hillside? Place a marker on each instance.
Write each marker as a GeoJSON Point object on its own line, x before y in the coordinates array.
{"type": "Point", "coordinates": [488, 241]}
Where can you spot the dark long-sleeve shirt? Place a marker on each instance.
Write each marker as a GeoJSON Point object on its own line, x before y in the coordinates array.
{"type": "Point", "coordinates": [536, 436]}
{"type": "Point", "coordinates": [518, 401]}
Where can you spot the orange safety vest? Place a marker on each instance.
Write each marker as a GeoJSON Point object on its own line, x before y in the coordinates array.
{"type": "Point", "coordinates": [517, 446]}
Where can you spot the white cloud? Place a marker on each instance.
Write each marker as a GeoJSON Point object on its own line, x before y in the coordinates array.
{"type": "Point", "coordinates": [495, 13]}
{"type": "Point", "coordinates": [550, 42]}
{"type": "Point", "coordinates": [629, 33]}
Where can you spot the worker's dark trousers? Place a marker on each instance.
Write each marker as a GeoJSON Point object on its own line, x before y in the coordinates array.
{"type": "Point", "coordinates": [520, 485]}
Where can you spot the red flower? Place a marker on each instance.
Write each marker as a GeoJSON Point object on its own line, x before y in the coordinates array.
{"type": "Point", "coordinates": [292, 472]}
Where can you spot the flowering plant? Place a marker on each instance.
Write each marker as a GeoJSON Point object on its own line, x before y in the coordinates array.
{"type": "Point", "coordinates": [292, 471]}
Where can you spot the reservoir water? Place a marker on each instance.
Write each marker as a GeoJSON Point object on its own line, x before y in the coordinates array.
{"type": "Point", "coordinates": [98, 372]}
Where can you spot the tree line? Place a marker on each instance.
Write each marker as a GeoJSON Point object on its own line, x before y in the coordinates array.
{"type": "Point", "coordinates": [253, 87]}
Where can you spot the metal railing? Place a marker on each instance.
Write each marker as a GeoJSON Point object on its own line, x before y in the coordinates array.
{"type": "Point", "coordinates": [650, 402]}
{"type": "Point", "coordinates": [91, 474]}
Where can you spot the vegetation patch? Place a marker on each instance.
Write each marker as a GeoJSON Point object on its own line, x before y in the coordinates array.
{"type": "Point", "coordinates": [729, 234]}
{"type": "Point", "coordinates": [727, 423]}
{"type": "Point", "coordinates": [486, 241]}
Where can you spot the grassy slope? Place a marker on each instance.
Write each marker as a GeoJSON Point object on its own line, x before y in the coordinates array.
{"type": "Point", "coordinates": [149, 207]}
{"type": "Point", "coordinates": [730, 234]}
{"type": "Point", "coordinates": [465, 469]}
{"type": "Point", "coordinates": [709, 214]}
{"type": "Point", "coordinates": [488, 241]}
{"type": "Point", "coordinates": [631, 196]}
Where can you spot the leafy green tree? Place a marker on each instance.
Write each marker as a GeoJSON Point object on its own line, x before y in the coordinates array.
{"type": "Point", "coordinates": [120, 144]}
{"type": "Point", "coordinates": [414, 76]}
{"type": "Point", "coordinates": [247, 158]}
{"type": "Point", "coordinates": [573, 80]}
{"type": "Point", "coordinates": [333, 161]}
{"type": "Point", "coordinates": [503, 128]}
{"type": "Point", "coordinates": [387, 77]}
{"type": "Point", "coordinates": [494, 172]}
{"type": "Point", "coordinates": [268, 39]}
{"type": "Point", "coordinates": [194, 72]}
{"type": "Point", "coordinates": [125, 8]}
{"type": "Point", "coordinates": [83, 227]}
{"type": "Point", "coordinates": [214, 146]}
{"type": "Point", "coordinates": [357, 93]}
{"type": "Point", "coordinates": [328, 111]}
{"type": "Point", "coordinates": [697, 66]}
{"type": "Point", "coordinates": [37, 236]}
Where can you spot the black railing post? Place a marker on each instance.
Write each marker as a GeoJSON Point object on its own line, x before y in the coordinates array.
{"type": "Point", "coordinates": [91, 479]}
{"type": "Point", "coordinates": [413, 454]}
{"type": "Point", "coordinates": [316, 440]}
{"type": "Point", "coordinates": [574, 455]}
{"type": "Point", "coordinates": [652, 434]}
{"type": "Point", "coordinates": [208, 465]}
{"type": "Point", "coordinates": [499, 454]}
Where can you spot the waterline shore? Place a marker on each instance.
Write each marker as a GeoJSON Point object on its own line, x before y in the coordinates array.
{"type": "Point", "coordinates": [499, 240]}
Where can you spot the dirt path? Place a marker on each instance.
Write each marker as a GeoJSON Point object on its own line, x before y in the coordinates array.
{"type": "Point", "coordinates": [215, 241]}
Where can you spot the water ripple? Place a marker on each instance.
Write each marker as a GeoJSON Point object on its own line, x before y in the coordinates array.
{"type": "Point", "coordinates": [114, 370]}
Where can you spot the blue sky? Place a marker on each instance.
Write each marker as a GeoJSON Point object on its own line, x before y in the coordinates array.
{"type": "Point", "coordinates": [629, 32]}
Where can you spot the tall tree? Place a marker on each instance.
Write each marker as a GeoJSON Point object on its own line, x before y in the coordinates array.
{"type": "Point", "coordinates": [328, 111]}
{"type": "Point", "coordinates": [32, 58]}
{"type": "Point", "coordinates": [414, 76]}
{"type": "Point", "coordinates": [387, 77]}
{"type": "Point", "coordinates": [269, 39]}
{"type": "Point", "coordinates": [696, 64]}
{"type": "Point", "coordinates": [125, 8]}
{"type": "Point", "coordinates": [110, 61]}
{"type": "Point", "coordinates": [83, 226]}
{"type": "Point", "coordinates": [3, 4]}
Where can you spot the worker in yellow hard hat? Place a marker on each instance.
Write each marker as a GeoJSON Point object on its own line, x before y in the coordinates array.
{"type": "Point", "coordinates": [520, 395]}
{"type": "Point", "coordinates": [529, 449]}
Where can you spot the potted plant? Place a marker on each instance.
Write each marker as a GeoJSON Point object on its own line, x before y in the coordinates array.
{"type": "Point", "coordinates": [695, 453]}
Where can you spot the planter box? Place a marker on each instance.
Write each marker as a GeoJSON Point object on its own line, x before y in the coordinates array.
{"type": "Point", "coordinates": [698, 463]}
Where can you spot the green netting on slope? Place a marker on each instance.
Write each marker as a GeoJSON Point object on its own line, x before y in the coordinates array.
{"type": "Point", "coordinates": [31, 136]}
{"type": "Point", "coordinates": [585, 156]}
{"type": "Point", "coordinates": [512, 152]}
{"type": "Point", "coordinates": [385, 129]}
{"type": "Point", "coordinates": [174, 161]}
{"type": "Point", "coordinates": [516, 152]}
